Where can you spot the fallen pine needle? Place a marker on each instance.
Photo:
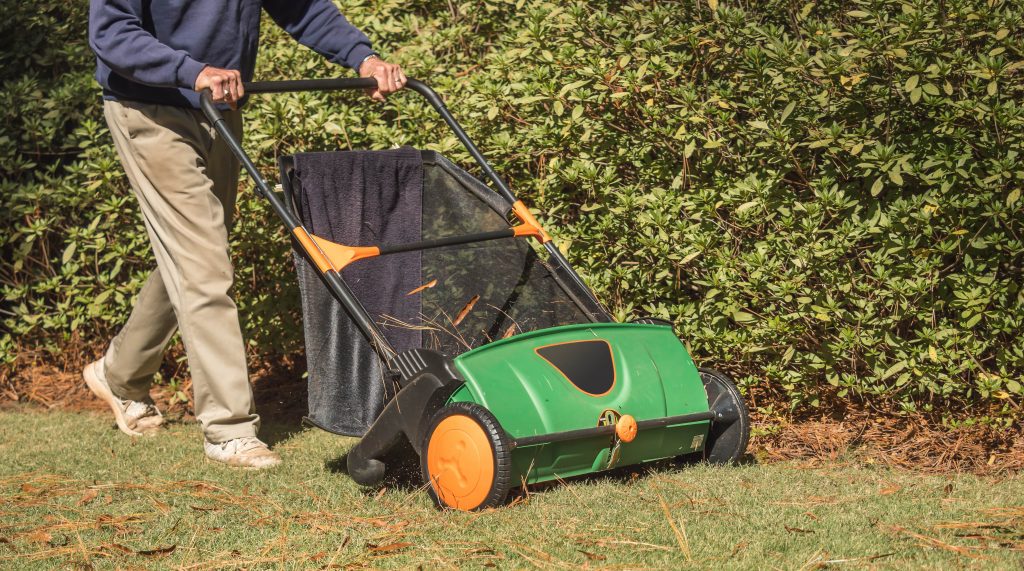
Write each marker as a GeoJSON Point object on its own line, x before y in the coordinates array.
{"type": "Point", "coordinates": [547, 560]}
{"type": "Point", "coordinates": [933, 542]}
{"type": "Point", "coordinates": [606, 542]}
{"type": "Point", "coordinates": [89, 495]}
{"type": "Point", "coordinates": [858, 559]}
{"type": "Point", "coordinates": [684, 544]}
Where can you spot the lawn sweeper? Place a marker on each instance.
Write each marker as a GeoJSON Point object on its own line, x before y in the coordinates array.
{"type": "Point", "coordinates": [442, 320]}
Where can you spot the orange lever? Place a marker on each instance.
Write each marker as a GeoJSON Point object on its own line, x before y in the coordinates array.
{"type": "Point", "coordinates": [530, 225]}
{"type": "Point", "coordinates": [328, 255]}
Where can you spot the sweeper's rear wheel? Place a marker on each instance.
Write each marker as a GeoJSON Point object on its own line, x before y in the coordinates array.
{"type": "Point", "coordinates": [730, 429]}
{"type": "Point", "coordinates": [466, 458]}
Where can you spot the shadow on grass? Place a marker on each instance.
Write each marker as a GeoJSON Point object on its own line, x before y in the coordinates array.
{"type": "Point", "coordinates": [623, 475]}
{"type": "Point", "coordinates": [402, 472]}
{"type": "Point", "coordinates": [280, 394]}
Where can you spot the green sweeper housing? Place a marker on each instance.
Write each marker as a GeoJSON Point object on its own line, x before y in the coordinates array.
{"type": "Point", "coordinates": [489, 356]}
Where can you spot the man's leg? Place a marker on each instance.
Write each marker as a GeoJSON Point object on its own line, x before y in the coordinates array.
{"type": "Point", "coordinates": [167, 153]}
{"type": "Point", "coordinates": [134, 356]}
{"type": "Point", "coordinates": [222, 168]}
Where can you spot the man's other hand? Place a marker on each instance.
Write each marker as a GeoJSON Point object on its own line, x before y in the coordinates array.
{"type": "Point", "coordinates": [225, 85]}
{"type": "Point", "coordinates": [389, 76]}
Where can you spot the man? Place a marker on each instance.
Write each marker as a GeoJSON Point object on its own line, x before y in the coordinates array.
{"type": "Point", "coordinates": [152, 60]}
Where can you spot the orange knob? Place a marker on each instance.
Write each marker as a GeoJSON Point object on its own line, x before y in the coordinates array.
{"type": "Point", "coordinates": [626, 428]}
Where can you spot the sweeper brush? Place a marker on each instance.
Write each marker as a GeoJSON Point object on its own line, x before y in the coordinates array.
{"type": "Point", "coordinates": [441, 318]}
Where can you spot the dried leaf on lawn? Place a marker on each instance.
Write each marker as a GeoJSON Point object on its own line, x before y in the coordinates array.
{"type": "Point", "coordinates": [89, 495]}
{"type": "Point", "coordinates": [389, 547]}
{"type": "Point", "coordinates": [465, 310]}
{"type": "Point", "coordinates": [158, 551]}
{"type": "Point", "coordinates": [427, 285]}
{"type": "Point", "coordinates": [39, 536]}
{"type": "Point", "coordinates": [160, 506]}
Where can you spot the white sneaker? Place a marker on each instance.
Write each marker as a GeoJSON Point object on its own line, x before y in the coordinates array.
{"type": "Point", "coordinates": [246, 452]}
{"type": "Point", "coordinates": [134, 418]}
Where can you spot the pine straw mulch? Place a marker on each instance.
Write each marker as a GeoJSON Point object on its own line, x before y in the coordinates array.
{"type": "Point", "coordinates": [913, 443]}
{"type": "Point", "coordinates": [278, 387]}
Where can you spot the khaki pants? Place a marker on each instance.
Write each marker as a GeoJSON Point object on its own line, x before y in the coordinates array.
{"type": "Point", "coordinates": [186, 180]}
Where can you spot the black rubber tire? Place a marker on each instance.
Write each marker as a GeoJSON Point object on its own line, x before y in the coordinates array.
{"type": "Point", "coordinates": [730, 431]}
{"type": "Point", "coordinates": [501, 449]}
{"type": "Point", "coordinates": [365, 471]}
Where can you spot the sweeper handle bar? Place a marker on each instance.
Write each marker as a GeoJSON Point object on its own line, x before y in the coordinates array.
{"type": "Point", "coordinates": [291, 86]}
{"type": "Point", "coordinates": [255, 87]}
{"type": "Point", "coordinates": [370, 83]}
{"type": "Point", "coordinates": [530, 225]}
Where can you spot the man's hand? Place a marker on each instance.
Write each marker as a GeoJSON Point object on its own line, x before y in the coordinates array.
{"type": "Point", "coordinates": [389, 76]}
{"type": "Point", "coordinates": [225, 84]}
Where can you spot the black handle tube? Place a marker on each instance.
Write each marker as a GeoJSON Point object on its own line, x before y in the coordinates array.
{"type": "Point", "coordinates": [211, 112]}
{"type": "Point", "coordinates": [560, 259]}
{"type": "Point", "coordinates": [435, 101]}
{"type": "Point", "coordinates": [449, 241]}
{"type": "Point", "coordinates": [310, 85]}
{"type": "Point", "coordinates": [609, 429]}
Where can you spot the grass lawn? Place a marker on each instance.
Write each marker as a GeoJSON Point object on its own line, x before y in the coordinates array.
{"type": "Point", "coordinates": [76, 493]}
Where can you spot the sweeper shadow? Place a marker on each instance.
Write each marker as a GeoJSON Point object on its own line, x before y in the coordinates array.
{"type": "Point", "coordinates": [404, 473]}
{"type": "Point", "coordinates": [403, 469]}
{"type": "Point", "coordinates": [623, 475]}
{"type": "Point", "coordinates": [280, 394]}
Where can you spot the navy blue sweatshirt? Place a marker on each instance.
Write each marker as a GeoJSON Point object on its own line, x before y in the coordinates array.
{"type": "Point", "coordinates": [153, 50]}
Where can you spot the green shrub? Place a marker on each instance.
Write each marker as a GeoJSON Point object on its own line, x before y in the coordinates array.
{"type": "Point", "coordinates": [825, 197]}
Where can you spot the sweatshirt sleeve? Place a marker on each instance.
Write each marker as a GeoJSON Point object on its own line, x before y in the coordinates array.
{"type": "Point", "coordinates": [318, 25]}
{"type": "Point", "coordinates": [117, 37]}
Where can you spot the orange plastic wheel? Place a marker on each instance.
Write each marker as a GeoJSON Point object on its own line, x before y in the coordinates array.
{"type": "Point", "coordinates": [466, 458]}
